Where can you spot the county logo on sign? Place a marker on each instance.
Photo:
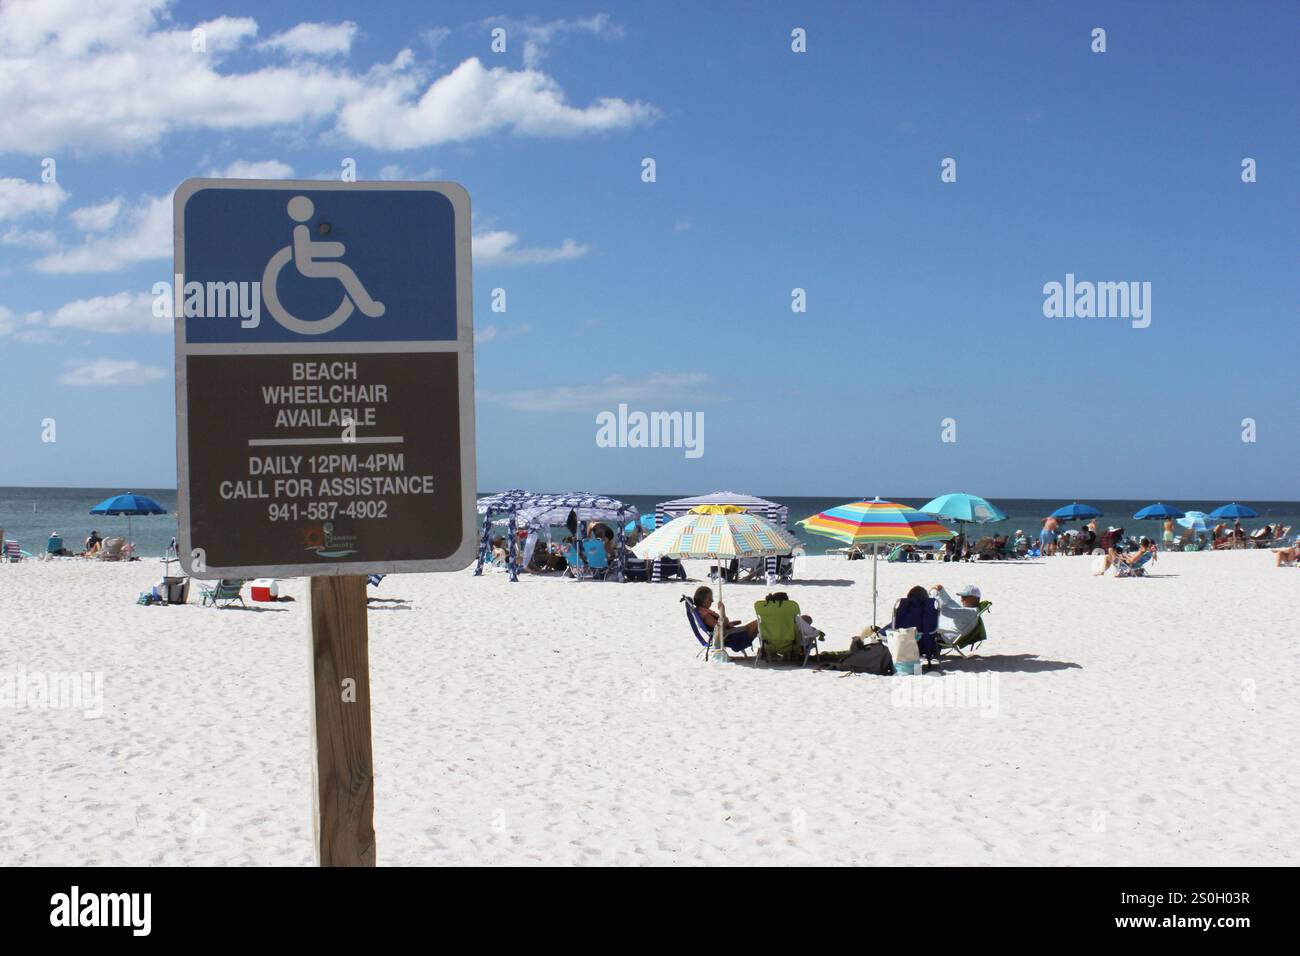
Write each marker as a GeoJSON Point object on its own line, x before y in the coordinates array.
{"type": "Point", "coordinates": [324, 543]}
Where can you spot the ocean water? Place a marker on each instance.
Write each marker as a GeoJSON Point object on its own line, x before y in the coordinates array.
{"type": "Point", "coordinates": [28, 515]}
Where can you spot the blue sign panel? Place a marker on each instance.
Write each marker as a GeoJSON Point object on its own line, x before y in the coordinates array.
{"type": "Point", "coordinates": [389, 253]}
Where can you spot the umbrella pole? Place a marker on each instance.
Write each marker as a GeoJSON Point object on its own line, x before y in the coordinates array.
{"type": "Point", "coordinates": [719, 654]}
{"type": "Point", "coordinates": [875, 558]}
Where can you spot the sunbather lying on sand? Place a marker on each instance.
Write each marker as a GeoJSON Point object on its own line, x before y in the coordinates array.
{"type": "Point", "coordinates": [1287, 556]}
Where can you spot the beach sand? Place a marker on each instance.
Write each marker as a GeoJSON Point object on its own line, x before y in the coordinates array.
{"type": "Point", "coordinates": [1121, 722]}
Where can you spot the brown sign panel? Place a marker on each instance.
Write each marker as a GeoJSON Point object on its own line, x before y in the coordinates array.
{"type": "Point", "coordinates": [324, 459]}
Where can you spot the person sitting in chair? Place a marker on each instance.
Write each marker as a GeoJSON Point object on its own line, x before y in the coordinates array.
{"type": "Point", "coordinates": [735, 635]}
{"type": "Point", "coordinates": [93, 542]}
{"type": "Point", "coordinates": [963, 613]}
{"type": "Point", "coordinates": [1130, 558]}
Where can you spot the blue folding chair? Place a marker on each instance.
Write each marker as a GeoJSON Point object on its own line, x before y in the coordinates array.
{"type": "Point", "coordinates": [593, 551]}
{"type": "Point", "coordinates": [922, 614]}
{"type": "Point", "coordinates": [740, 643]}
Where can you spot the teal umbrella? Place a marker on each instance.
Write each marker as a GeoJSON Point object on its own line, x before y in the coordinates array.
{"type": "Point", "coordinates": [963, 507]}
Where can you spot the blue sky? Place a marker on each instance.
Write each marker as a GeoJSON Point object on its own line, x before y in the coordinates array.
{"type": "Point", "coordinates": [775, 170]}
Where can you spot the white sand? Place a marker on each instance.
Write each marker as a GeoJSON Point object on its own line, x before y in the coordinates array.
{"type": "Point", "coordinates": [1136, 722]}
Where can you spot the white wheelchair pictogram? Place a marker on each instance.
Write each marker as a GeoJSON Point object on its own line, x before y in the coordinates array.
{"type": "Point", "coordinates": [311, 257]}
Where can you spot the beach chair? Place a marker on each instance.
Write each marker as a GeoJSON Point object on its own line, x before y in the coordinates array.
{"type": "Point", "coordinates": [924, 616]}
{"type": "Point", "coordinates": [597, 561]}
{"type": "Point", "coordinates": [739, 645]}
{"type": "Point", "coordinates": [110, 549]}
{"type": "Point", "coordinates": [12, 552]}
{"type": "Point", "coordinates": [225, 593]}
{"type": "Point", "coordinates": [779, 634]}
{"type": "Point", "coordinates": [635, 569]}
{"type": "Point", "coordinates": [671, 568]}
{"type": "Point", "coordinates": [950, 640]}
{"type": "Point", "coordinates": [1135, 570]}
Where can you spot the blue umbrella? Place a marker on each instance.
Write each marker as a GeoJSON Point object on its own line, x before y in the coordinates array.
{"type": "Point", "coordinates": [1074, 510]}
{"type": "Point", "coordinates": [128, 504]}
{"type": "Point", "coordinates": [1193, 521]}
{"type": "Point", "coordinates": [1233, 510]}
{"type": "Point", "coordinates": [1159, 510]}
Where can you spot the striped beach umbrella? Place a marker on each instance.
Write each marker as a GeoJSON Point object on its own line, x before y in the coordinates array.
{"type": "Point", "coordinates": [720, 532]}
{"type": "Point", "coordinates": [875, 523]}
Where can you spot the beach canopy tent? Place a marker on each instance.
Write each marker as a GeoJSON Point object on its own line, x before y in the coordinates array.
{"type": "Point", "coordinates": [1075, 511]}
{"type": "Point", "coordinates": [771, 511]}
{"type": "Point", "coordinates": [129, 504]}
{"type": "Point", "coordinates": [1234, 511]}
{"type": "Point", "coordinates": [544, 510]}
{"type": "Point", "coordinates": [1157, 511]}
{"type": "Point", "coordinates": [721, 533]}
{"type": "Point", "coordinates": [876, 522]}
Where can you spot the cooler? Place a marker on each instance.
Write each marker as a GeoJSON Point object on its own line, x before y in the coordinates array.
{"type": "Point", "coordinates": [264, 589]}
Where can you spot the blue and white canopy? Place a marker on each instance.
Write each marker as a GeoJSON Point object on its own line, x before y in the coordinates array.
{"type": "Point", "coordinates": [545, 510]}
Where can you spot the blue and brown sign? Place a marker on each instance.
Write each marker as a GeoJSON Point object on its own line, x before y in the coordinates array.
{"type": "Point", "coordinates": [324, 377]}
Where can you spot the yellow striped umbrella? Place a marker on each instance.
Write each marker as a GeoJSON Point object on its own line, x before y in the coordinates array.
{"type": "Point", "coordinates": [718, 532]}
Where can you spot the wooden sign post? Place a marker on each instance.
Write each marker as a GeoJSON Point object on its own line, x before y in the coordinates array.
{"type": "Point", "coordinates": [343, 775]}
{"type": "Point", "coordinates": [325, 422]}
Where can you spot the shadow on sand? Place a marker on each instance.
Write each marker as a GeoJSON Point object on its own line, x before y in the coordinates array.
{"type": "Point", "coordinates": [388, 604]}
{"type": "Point", "coordinates": [1006, 664]}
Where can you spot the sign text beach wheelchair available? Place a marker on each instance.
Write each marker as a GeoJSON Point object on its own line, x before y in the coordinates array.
{"type": "Point", "coordinates": [324, 377]}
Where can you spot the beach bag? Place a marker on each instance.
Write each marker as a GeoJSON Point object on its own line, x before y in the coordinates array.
{"type": "Point", "coordinates": [873, 658]}
{"type": "Point", "coordinates": [902, 645]}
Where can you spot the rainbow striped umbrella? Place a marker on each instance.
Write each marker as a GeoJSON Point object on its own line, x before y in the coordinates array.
{"type": "Point", "coordinates": [719, 532]}
{"type": "Point", "coordinates": [876, 522]}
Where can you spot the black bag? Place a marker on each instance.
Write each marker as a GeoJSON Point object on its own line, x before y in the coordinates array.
{"type": "Point", "coordinates": [871, 658]}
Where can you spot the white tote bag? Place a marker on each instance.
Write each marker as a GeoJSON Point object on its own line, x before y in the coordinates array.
{"type": "Point", "coordinates": [902, 645]}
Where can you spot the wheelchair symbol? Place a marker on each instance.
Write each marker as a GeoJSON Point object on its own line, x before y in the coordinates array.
{"type": "Point", "coordinates": [310, 256]}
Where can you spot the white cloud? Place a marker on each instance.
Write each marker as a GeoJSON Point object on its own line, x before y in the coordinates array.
{"type": "Point", "coordinates": [31, 238]}
{"type": "Point", "coordinates": [473, 101]}
{"type": "Point", "coordinates": [97, 218]}
{"type": "Point", "coordinates": [500, 248]}
{"type": "Point", "coordinates": [314, 39]}
{"type": "Point", "coordinates": [538, 36]}
{"type": "Point", "coordinates": [490, 333]}
{"type": "Point", "coordinates": [660, 387]}
{"type": "Point", "coordinates": [126, 77]}
{"type": "Point", "coordinates": [19, 198]}
{"type": "Point", "coordinates": [244, 169]}
{"type": "Point", "coordinates": [145, 235]}
{"type": "Point", "coordinates": [123, 312]}
{"type": "Point", "coordinates": [395, 171]}
{"type": "Point", "coordinates": [109, 372]}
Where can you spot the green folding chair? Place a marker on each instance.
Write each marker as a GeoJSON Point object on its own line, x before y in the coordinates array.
{"type": "Point", "coordinates": [778, 633]}
{"type": "Point", "coordinates": [948, 641]}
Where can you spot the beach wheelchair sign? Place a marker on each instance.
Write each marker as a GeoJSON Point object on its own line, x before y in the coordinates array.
{"type": "Point", "coordinates": [324, 377]}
